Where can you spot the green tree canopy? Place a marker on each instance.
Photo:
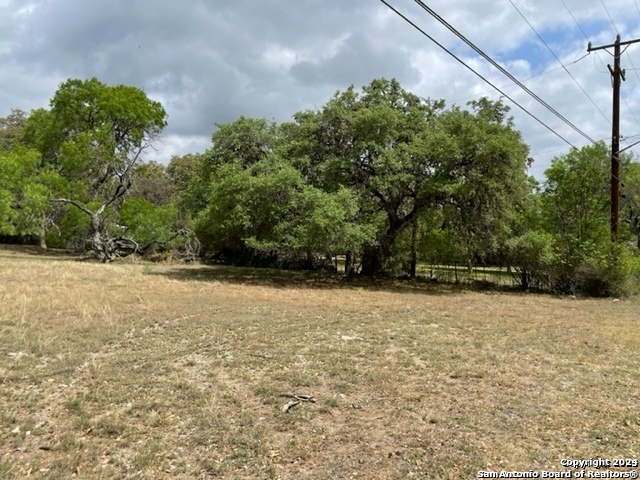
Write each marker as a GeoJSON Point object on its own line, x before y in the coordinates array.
{"type": "Point", "coordinates": [94, 135]}
{"type": "Point", "coordinates": [12, 129]}
{"type": "Point", "coordinates": [576, 199]}
{"type": "Point", "coordinates": [370, 162]}
{"type": "Point", "coordinates": [401, 153]}
{"type": "Point", "coordinates": [575, 205]}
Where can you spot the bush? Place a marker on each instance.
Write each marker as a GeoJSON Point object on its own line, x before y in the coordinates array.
{"type": "Point", "coordinates": [622, 275]}
{"type": "Point", "coordinates": [616, 274]}
{"type": "Point", "coordinates": [531, 255]}
{"type": "Point", "coordinates": [604, 270]}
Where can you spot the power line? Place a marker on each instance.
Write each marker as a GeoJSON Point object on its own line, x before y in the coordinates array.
{"type": "Point", "coordinates": [534, 154]}
{"type": "Point", "coordinates": [559, 61]}
{"type": "Point", "coordinates": [505, 72]}
{"type": "Point", "coordinates": [609, 15]}
{"type": "Point", "coordinates": [598, 56]}
{"type": "Point", "coordinates": [630, 59]}
{"type": "Point", "coordinates": [634, 69]}
{"type": "Point", "coordinates": [583, 32]}
{"type": "Point", "coordinates": [617, 75]}
{"type": "Point", "coordinates": [574, 19]}
{"type": "Point", "coordinates": [401, 15]}
{"type": "Point", "coordinates": [624, 99]}
{"type": "Point", "coordinates": [525, 80]}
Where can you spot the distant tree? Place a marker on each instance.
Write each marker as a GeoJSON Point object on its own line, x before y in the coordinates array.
{"type": "Point", "coordinates": [576, 211]}
{"type": "Point", "coordinates": [94, 135]}
{"type": "Point", "coordinates": [532, 256]}
{"type": "Point", "coordinates": [188, 179]}
{"type": "Point", "coordinates": [148, 224]}
{"type": "Point", "coordinates": [575, 201]}
{"type": "Point", "coordinates": [26, 189]}
{"type": "Point", "coordinates": [151, 182]}
{"type": "Point", "coordinates": [12, 128]}
{"type": "Point", "coordinates": [231, 178]}
{"type": "Point", "coordinates": [26, 185]}
{"type": "Point", "coordinates": [382, 144]}
{"type": "Point", "coordinates": [245, 141]}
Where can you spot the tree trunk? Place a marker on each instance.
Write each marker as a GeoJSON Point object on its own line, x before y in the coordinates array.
{"type": "Point", "coordinates": [42, 240]}
{"type": "Point", "coordinates": [374, 256]}
{"type": "Point", "coordinates": [371, 264]}
{"type": "Point", "coordinates": [103, 248]}
{"type": "Point", "coordinates": [350, 263]}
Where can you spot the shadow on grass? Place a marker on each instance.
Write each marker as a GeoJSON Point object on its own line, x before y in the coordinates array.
{"type": "Point", "coordinates": [316, 280]}
{"type": "Point", "coordinates": [275, 278]}
{"type": "Point", "coordinates": [25, 251]}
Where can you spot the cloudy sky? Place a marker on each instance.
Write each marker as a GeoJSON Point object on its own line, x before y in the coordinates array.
{"type": "Point", "coordinates": [210, 61]}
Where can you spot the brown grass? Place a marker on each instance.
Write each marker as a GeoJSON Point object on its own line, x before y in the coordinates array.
{"type": "Point", "coordinates": [157, 371]}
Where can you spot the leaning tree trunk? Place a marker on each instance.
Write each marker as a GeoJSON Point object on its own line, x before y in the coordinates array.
{"type": "Point", "coordinates": [102, 246]}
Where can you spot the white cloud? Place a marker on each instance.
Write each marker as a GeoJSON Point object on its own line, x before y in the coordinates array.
{"type": "Point", "coordinates": [211, 61]}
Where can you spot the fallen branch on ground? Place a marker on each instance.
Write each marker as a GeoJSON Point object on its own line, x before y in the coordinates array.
{"type": "Point", "coordinates": [296, 399]}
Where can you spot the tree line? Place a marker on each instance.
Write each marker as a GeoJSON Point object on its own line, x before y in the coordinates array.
{"type": "Point", "coordinates": [379, 177]}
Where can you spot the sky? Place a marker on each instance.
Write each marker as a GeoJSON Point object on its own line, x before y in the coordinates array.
{"type": "Point", "coordinates": [210, 61]}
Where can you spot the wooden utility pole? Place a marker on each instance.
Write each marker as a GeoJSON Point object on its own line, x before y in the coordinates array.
{"type": "Point", "coordinates": [617, 75]}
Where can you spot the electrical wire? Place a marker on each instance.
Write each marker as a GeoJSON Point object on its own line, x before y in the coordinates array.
{"type": "Point", "coordinates": [629, 56]}
{"type": "Point", "coordinates": [598, 56]}
{"type": "Point", "coordinates": [406, 19]}
{"type": "Point", "coordinates": [624, 99]}
{"type": "Point", "coordinates": [630, 60]}
{"type": "Point", "coordinates": [502, 70]}
{"type": "Point", "coordinates": [609, 15]}
{"type": "Point", "coordinates": [534, 154]}
{"type": "Point", "coordinates": [556, 57]}
{"type": "Point", "coordinates": [559, 61]}
{"type": "Point", "coordinates": [633, 114]}
{"type": "Point", "coordinates": [633, 69]}
{"type": "Point", "coordinates": [525, 80]}
{"type": "Point", "coordinates": [574, 19]}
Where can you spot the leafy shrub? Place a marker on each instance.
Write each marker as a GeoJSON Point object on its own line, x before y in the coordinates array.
{"type": "Point", "coordinates": [532, 256]}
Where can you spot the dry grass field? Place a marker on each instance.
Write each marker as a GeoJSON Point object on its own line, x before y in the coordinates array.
{"type": "Point", "coordinates": [154, 371]}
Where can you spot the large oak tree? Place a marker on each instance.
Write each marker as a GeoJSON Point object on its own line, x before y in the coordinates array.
{"type": "Point", "coordinates": [402, 154]}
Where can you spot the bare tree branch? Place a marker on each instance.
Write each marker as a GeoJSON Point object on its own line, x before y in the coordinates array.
{"type": "Point", "coordinates": [75, 204]}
